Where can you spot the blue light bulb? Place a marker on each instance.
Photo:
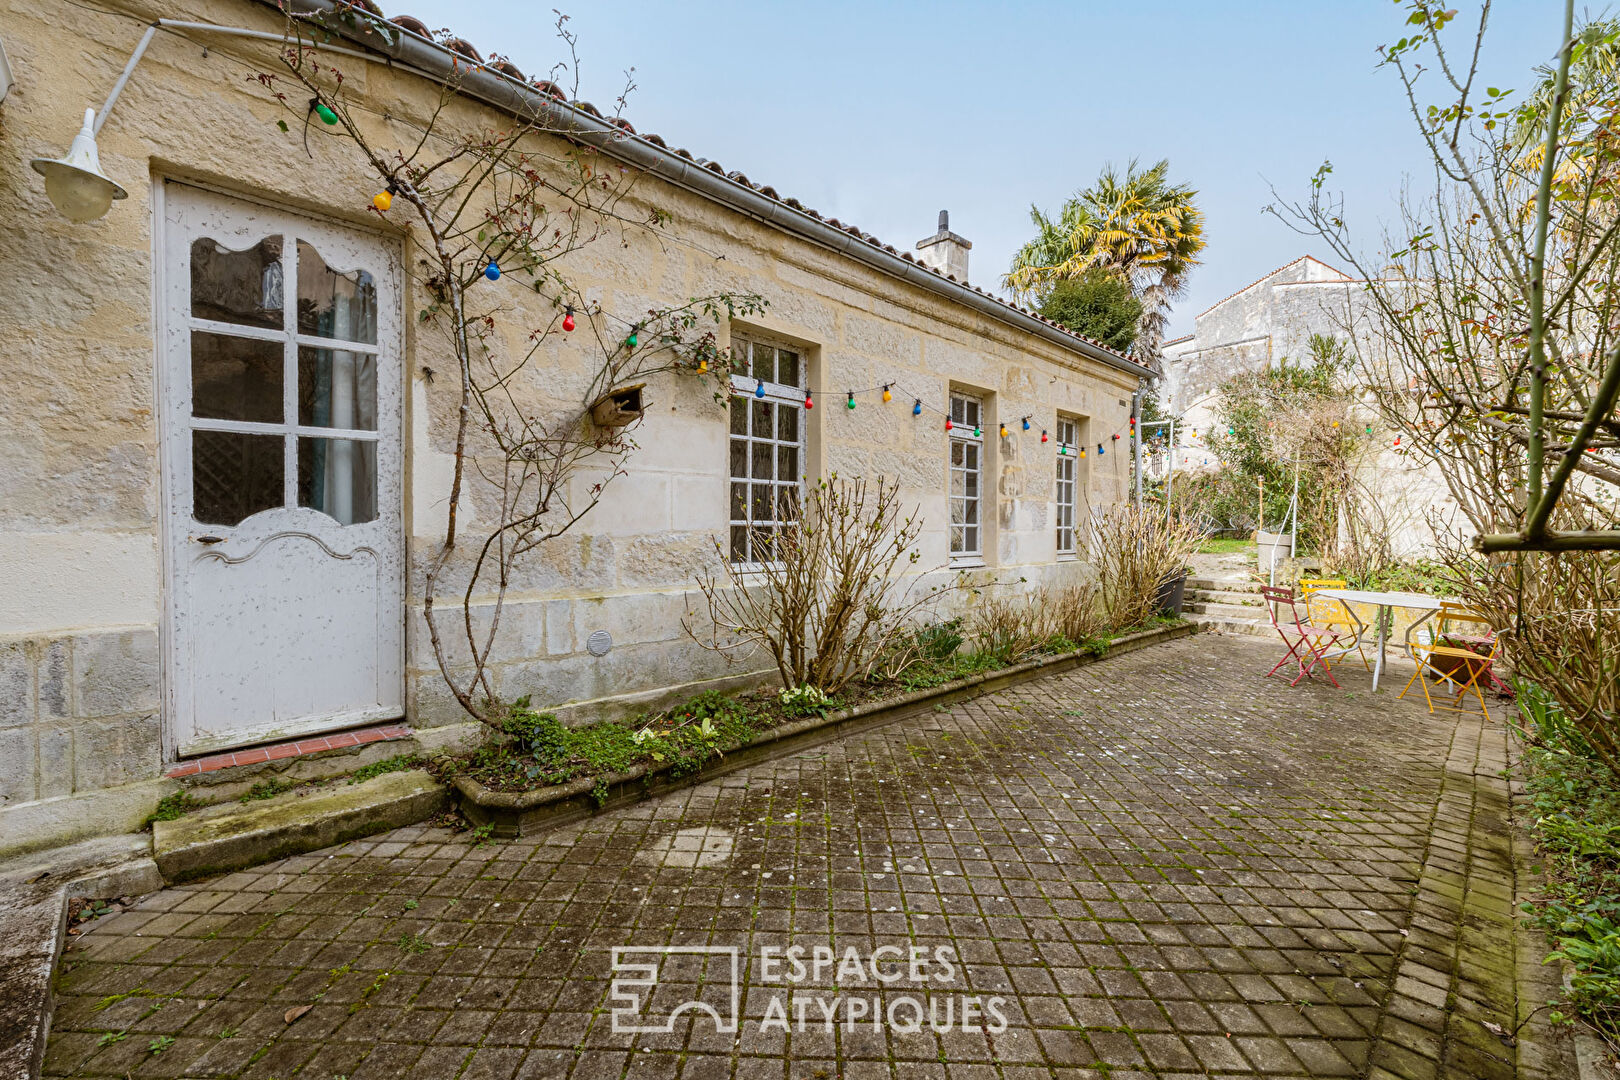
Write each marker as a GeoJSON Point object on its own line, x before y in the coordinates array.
{"type": "Point", "coordinates": [759, 388]}
{"type": "Point", "coordinates": [916, 410]}
{"type": "Point", "coordinates": [492, 272]}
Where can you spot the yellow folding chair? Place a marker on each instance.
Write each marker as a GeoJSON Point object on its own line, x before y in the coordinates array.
{"type": "Point", "coordinates": [1331, 613]}
{"type": "Point", "coordinates": [1459, 650]}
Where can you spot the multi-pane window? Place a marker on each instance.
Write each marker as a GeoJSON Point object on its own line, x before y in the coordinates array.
{"type": "Point", "coordinates": [967, 476]}
{"type": "Point", "coordinates": [1068, 440]}
{"type": "Point", "coordinates": [283, 394]}
{"type": "Point", "coordinates": [767, 446]}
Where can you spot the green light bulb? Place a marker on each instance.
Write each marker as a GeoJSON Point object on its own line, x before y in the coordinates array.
{"type": "Point", "coordinates": [326, 114]}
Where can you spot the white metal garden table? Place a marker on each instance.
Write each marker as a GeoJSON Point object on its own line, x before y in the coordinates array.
{"type": "Point", "coordinates": [1386, 602]}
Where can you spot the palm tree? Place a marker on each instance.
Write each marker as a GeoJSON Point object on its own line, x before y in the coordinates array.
{"type": "Point", "coordinates": [1587, 135]}
{"type": "Point", "coordinates": [1138, 227]}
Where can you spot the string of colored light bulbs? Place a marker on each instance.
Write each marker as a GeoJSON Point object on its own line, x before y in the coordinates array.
{"type": "Point", "coordinates": [917, 406]}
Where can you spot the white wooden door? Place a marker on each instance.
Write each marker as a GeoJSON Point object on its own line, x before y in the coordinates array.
{"type": "Point", "coordinates": [281, 433]}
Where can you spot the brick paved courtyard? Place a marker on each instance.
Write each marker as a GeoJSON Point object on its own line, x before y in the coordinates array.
{"type": "Point", "coordinates": [1162, 865]}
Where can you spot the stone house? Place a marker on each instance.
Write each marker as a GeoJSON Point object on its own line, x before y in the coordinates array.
{"type": "Point", "coordinates": [1270, 321]}
{"type": "Point", "coordinates": [226, 457]}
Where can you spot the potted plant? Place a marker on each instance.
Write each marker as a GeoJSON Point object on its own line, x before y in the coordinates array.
{"type": "Point", "coordinates": [1172, 592]}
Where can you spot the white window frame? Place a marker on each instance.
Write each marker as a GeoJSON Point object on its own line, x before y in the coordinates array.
{"type": "Point", "coordinates": [967, 416]}
{"type": "Point", "coordinates": [1066, 500]}
{"type": "Point", "coordinates": [792, 395]}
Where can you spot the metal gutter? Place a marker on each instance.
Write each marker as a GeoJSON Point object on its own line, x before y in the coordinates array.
{"type": "Point", "coordinates": [503, 92]}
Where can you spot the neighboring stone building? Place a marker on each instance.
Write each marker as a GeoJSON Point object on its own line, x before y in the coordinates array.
{"type": "Point", "coordinates": [196, 565]}
{"type": "Point", "coordinates": [1271, 321]}
{"type": "Point", "coordinates": [1252, 330]}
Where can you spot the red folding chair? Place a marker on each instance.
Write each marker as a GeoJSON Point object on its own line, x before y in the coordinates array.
{"type": "Point", "coordinates": [1309, 644]}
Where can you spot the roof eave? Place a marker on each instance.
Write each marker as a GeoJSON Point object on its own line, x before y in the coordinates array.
{"type": "Point", "coordinates": [501, 91]}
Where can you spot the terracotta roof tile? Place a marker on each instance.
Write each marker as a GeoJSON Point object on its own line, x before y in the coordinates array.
{"type": "Point", "coordinates": [546, 86]}
{"type": "Point", "coordinates": [464, 47]}
{"type": "Point", "coordinates": [413, 24]}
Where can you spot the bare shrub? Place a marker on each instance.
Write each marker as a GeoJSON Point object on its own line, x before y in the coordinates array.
{"type": "Point", "coordinates": [833, 601]}
{"type": "Point", "coordinates": [1134, 550]}
{"type": "Point", "coordinates": [1556, 617]}
{"type": "Point", "coordinates": [1052, 618]}
{"type": "Point", "coordinates": [1076, 611]}
{"type": "Point", "coordinates": [1007, 626]}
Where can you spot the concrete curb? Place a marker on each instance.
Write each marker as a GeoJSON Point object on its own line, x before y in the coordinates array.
{"type": "Point", "coordinates": [198, 845]}
{"type": "Point", "coordinates": [515, 814]}
{"type": "Point", "coordinates": [34, 891]}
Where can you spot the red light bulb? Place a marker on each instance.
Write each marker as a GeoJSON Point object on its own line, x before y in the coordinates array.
{"type": "Point", "coordinates": [568, 318]}
{"type": "Point", "coordinates": [1043, 436]}
{"type": "Point", "coordinates": [948, 424]}
{"type": "Point", "coordinates": [807, 402]}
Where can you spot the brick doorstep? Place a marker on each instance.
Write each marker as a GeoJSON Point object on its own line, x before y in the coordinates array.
{"type": "Point", "coordinates": [292, 748]}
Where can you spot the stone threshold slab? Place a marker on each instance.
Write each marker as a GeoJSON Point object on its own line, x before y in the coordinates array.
{"type": "Point", "coordinates": [199, 845]}
{"type": "Point", "coordinates": [513, 814]}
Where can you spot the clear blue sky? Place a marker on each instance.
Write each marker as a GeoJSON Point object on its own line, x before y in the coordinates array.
{"type": "Point", "coordinates": [882, 114]}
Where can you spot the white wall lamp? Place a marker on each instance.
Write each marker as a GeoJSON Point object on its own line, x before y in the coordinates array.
{"type": "Point", "coordinates": [6, 81]}
{"type": "Point", "coordinates": [74, 183]}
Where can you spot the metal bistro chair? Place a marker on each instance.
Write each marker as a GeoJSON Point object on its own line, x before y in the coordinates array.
{"type": "Point", "coordinates": [1462, 657]}
{"type": "Point", "coordinates": [1307, 646]}
{"type": "Point", "coordinates": [1331, 613]}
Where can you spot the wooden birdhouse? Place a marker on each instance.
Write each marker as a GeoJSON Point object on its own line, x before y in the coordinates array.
{"type": "Point", "coordinates": [618, 408]}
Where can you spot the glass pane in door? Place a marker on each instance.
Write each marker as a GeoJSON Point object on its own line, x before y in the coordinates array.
{"type": "Point", "coordinates": [338, 477]}
{"type": "Point", "coordinates": [337, 388]}
{"type": "Point", "coordinates": [335, 303]}
{"type": "Point", "coordinates": [243, 287]}
{"type": "Point", "coordinates": [234, 378]}
{"type": "Point", "coordinates": [234, 475]}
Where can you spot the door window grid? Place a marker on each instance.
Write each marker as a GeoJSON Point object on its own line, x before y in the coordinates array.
{"type": "Point", "coordinates": [966, 477]}
{"type": "Point", "coordinates": [1068, 437]}
{"type": "Point", "coordinates": [294, 429]}
{"type": "Point", "coordinates": [766, 445]}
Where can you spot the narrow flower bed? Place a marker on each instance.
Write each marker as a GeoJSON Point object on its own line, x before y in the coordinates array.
{"type": "Point", "coordinates": [540, 752]}
{"type": "Point", "coordinates": [1575, 799]}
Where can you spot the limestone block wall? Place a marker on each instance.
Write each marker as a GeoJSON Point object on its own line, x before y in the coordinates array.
{"type": "Point", "coordinates": [81, 538]}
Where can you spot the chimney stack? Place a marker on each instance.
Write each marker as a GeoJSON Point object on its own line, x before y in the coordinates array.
{"type": "Point", "coordinates": [945, 251]}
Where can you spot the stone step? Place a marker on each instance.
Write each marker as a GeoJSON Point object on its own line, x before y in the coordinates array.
{"type": "Point", "coordinates": [1224, 584]}
{"type": "Point", "coordinates": [233, 836]}
{"type": "Point", "coordinates": [1227, 625]}
{"type": "Point", "coordinates": [1227, 611]}
{"type": "Point", "coordinates": [1216, 596]}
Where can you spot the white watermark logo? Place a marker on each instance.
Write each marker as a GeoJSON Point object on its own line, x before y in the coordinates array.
{"type": "Point", "coordinates": [635, 979]}
{"type": "Point", "coordinates": [794, 984]}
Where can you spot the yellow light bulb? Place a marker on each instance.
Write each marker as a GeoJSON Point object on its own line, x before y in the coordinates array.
{"type": "Point", "coordinates": [886, 395]}
{"type": "Point", "coordinates": [382, 201]}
